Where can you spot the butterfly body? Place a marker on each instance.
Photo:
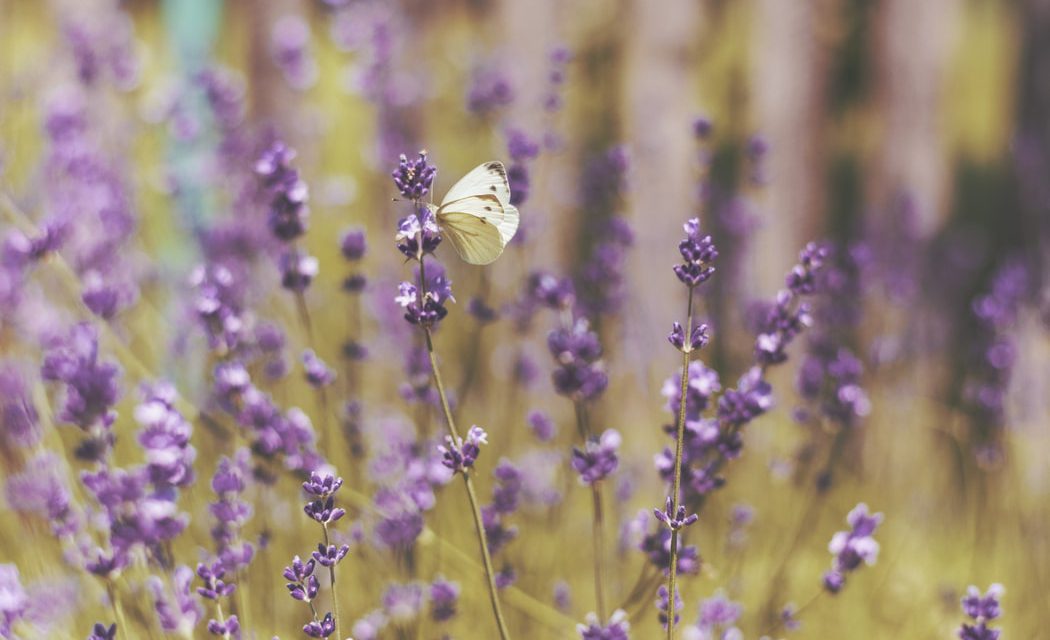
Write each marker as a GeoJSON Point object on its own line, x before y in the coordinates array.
{"type": "Point", "coordinates": [476, 214]}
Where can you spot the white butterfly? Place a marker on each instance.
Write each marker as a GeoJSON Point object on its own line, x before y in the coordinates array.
{"type": "Point", "coordinates": [476, 214]}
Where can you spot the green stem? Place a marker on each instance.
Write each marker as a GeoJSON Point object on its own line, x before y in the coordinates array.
{"type": "Point", "coordinates": [598, 521]}
{"type": "Point", "coordinates": [479, 526]}
{"type": "Point", "coordinates": [118, 610]}
{"type": "Point", "coordinates": [676, 483]}
{"type": "Point", "coordinates": [335, 594]}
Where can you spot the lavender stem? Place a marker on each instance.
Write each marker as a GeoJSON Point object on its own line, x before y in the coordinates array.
{"type": "Point", "coordinates": [479, 526]}
{"type": "Point", "coordinates": [335, 594]}
{"type": "Point", "coordinates": [677, 482]}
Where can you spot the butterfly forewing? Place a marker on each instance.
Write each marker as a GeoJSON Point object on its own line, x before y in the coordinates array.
{"type": "Point", "coordinates": [488, 179]}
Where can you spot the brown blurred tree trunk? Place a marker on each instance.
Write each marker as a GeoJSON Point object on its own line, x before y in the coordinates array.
{"type": "Point", "coordinates": [789, 85]}
{"type": "Point", "coordinates": [912, 53]}
{"type": "Point", "coordinates": [659, 96]}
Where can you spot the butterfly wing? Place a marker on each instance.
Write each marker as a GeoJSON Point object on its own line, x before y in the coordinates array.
{"type": "Point", "coordinates": [475, 238]}
{"type": "Point", "coordinates": [488, 179]}
{"type": "Point", "coordinates": [509, 225]}
{"type": "Point", "coordinates": [477, 214]}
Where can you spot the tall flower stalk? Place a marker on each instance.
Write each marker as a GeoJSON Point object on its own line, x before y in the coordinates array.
{"type": "Point", "coordinates": [698, 252]}
{"type": "Point", "coordinates": [418, 235]}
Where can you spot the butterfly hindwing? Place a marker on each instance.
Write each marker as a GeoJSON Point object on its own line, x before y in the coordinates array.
{"type": "Point", "coordinates": [475, 239]}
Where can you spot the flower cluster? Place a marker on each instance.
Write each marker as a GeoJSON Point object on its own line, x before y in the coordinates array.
{"type": "Point", "coordinates": [290, 48]}
{"type": "Point", "coordinates": [302, 583]}
{"type": "Point", "coordinates": [852, 548]}
{"type": "Point", "coordinates": [413, 178]}
{"type": "Point", "coordinates": [580, 372]}
{"type": "Point", "coordinates": [697, 339]}
{"type": "Point", "coordinates": [617, 628]}
{"type": "Point", "coordinates": [789, 315]}
{"type": "Point", "coordinates": [490, 90]}
{"type": "Point", "coordinates": [460, 454]}
{"type": "Point", "coordinates": [213, 589]}
{"type": "Point", "coordinates": [698, 252]}
{"type": "Point", "coordinates": [602, 280]}
{"type": "Point", "coordinates": [418, 234]}
{"type": "Point", "coordinates": [428, 309]}
{"type": "Point", "coordinates": [321, 508]}
{"type": "Point", "coordinates": [165, 438]}
{"type": "Point", "coordinates": [675, 520]}
{"type": "Point", "coordinates": [231, 511]}
{"type": "Point", "coordinates": [289, 214]}
{"type": "Point", "coordinates": [317, 372]}
{"type": "Point", "coordinates": [599, 457]}
{"type": "Point", "coordinates": [663, 606]}
{"type": "Point", "coordinates": [92, 387]}
{"type": "Point", "coordinates": [982, 609]}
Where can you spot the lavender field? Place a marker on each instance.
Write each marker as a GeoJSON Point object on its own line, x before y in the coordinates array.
{"type": "Point", "coordinates": [480, 319]}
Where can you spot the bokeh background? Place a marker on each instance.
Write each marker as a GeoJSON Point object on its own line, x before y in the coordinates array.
{"type": "Point", "coordinates": [914, 136]}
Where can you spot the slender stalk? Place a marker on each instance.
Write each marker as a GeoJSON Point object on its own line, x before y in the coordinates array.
{"type": "Point", "coordinates": [118, 610]}
{"type": "Point", "coordinates": [598, 521]}
{"type": "Point", "coordinates": [479, 526]}
{"type": "Point", "coordinates": [308, 327]}
{"type": "Point", "coordinates": [676, 483]}
{"type": "Point", "coordinates": [335, 594]}
{"type": "Point", "coordinates": [475, 508]}
{"type": "Point", "coordinates": [222, 619]}
{"type": "Point", "coordinates": [599, 548]}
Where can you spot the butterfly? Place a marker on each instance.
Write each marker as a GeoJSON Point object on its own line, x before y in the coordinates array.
{"type": "Point", "coordinates": [476, 214]}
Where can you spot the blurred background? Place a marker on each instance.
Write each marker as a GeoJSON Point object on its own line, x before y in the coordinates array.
{"type": "Point", "coordinates": [913, 137]}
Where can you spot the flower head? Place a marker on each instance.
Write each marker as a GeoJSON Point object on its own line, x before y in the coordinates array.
{"type": "Point", "coordinates": [413, 178]}
{"type": "Point", "coordinates": [982, 609]}
{"type": "Point", "coordinates": [852, 548]}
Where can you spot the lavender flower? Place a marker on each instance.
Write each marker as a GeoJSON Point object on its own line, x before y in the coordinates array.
{"type": "Point", "coordinates": [489, 91]}
{"type": "Point", "coordinates": [657, 548]}
{"type": "Point", "coordinates": [403, 602]}
{"type": "Point", "coordinates": [444, 596]}
{"type": "Point", "coordinates": [92, 387]}
{"type": "Point", "coordinates": [165, 438]}
{"type": "Point", "coordinates": [675, 520]}
{"type": "Point", "coordinates": [353, 244]}
{"type": "Point", "coordinates": [13, 598]}
{"type": "Point", "coordinates": [414, 178]}
{"type": "Point", "coordinates": [330, 555]}
{"type": "Point", "coordinates": [663, 606]}
{"type": "Point", "coordinates": [322, 509]}
{"type": "Point", "coordinates": [598, 459]}
{"type": "Point", "coordinates": [851, 548]}
{"type": "Point", "coordinates": [698, 252]}
{"type": "Point", "coordinates": [522, 151]}
{"type": "Point", "coordinates": [289, 214]}
{"type": "Point", "coordinates": [214, 586]}
{"type": "Point", "coordinates": [460, 454]}
{"type": "Point", "coordinates": [982, 609]}
{"type": "Point", "coordinates": [580, 373]}
{"type": "Point", "coordinates": [302, 583]}
{"type": "Point", "coordinates": [298, 269]}
{"type": "Point", "coordinates": [181, 613]}
{"type": "Point", "coordinates": [718, 617]}
{"type": "Point", "coordinates": [231, 512]}
{"type": "Point", "coordinates": [289, 46]}
{"type": "Point", "coordinates": [616, 629]}
{"type": "Point", "coordinates": [697, 339]}
{"type": "Point", "coordinates": [541, 425]}
{"type": "Point", "coordinates": [418, 234]}
{"type": "Point", "coordinates": [320, 628]}
{"type": "Point", "coordinates": [317, 372]}
{"type": "Point", "coordinates": [102, 632]}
